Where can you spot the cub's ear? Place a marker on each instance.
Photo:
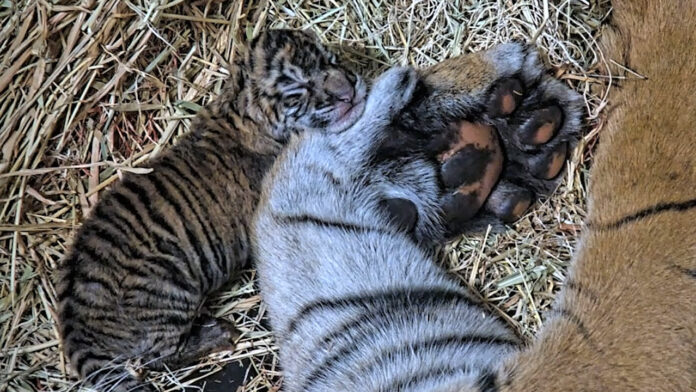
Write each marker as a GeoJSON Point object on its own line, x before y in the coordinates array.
{"type": "Point", "coordinates": [311, 34]}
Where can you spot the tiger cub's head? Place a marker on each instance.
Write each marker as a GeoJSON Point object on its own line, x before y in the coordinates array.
{"type": "Point", "coordinates": [298, 85]}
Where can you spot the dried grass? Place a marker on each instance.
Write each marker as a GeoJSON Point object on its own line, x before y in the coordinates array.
{"type": "Point", "coordinates": [90, 89]}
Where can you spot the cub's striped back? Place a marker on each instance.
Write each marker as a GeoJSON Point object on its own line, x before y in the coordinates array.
{"type": "Point", "coordinates": [131, 289]}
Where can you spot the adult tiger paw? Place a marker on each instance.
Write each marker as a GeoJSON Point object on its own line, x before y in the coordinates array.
{"type": "Point", "coordinates": [519, 124]}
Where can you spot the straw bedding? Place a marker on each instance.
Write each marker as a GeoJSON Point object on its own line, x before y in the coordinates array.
{"type": "Point", "coordinates": [89, 89]}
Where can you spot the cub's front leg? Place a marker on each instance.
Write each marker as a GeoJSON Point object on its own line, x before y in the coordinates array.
{"type": "Point", "coordinates": [497, 128]}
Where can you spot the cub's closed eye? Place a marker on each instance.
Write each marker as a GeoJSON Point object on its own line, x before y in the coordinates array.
{"type": "Point", "coordinates": [293, 101]}
{"type": "Point", "coordinates": [293, 93]}
{"type": "Point", "coordinates": [324, 105]}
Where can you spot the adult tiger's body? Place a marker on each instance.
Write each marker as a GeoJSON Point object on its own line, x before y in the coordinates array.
{"type": "Point", "coordinates": [626, 318]}
{"type": "Point", "coordinates": [132, 287]}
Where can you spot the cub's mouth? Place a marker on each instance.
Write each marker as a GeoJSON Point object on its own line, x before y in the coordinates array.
{"type": "Point", "coordinates": [348, 110]}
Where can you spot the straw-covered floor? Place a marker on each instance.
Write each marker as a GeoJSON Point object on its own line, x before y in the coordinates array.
{"type": "Point", "coordinates": [89, 89]}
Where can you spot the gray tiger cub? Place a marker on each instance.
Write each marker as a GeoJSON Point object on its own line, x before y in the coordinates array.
{"type": "Point", "coordinates": [356, 302]}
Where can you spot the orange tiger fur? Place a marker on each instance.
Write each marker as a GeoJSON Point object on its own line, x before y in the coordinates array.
{"type": "Point", "coordinates": [626, 319]}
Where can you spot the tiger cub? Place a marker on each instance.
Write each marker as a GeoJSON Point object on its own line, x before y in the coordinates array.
{"type": "Point", "coordinates": [132, 287]}
{"type": "Point", "coordinates": [356, 302]}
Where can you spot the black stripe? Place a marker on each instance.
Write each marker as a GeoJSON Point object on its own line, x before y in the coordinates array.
{"type": "Point", "coordinates": [271, 48]}
{"type": "Point", "coordinates": [107, 285]}
{"type": "Point", "coordinates": [144, 199]}
{"type": "Point", "coordinates": [644, 213]}
{"type": "Point", "coordinates": [91, 356]}
{"type": "Point", "coordinates": [67, 329]}
{"type": "Point", "coordinates": [241, 78]}
{"type": "Point", "coordinates": [81, 341]}
{"type": "Point", "coordinates": [252, 47]}
{"type": "Point", "coordinates": [188, 177]}
{"type": "Point", "coordinates": [174, 274]}
{"type": "Point", "coordinates": [101, 230]}
{"type": "Point", "coordinates": [174, 301]}
{"type": "Point", "coordinates": [130, 220]}
{"type": "Point", "coordinates": [108, 317]}
{"type": "Point", "coordinates": [438, 343]}
{"type": "Point", "coordinates": [488, 381]}
{"type": "Point", "coordinates": [349, 326]}
{"type": "Point", "coordinates": [367, 324]}
{"type": "Point", "coordinates": [574, 319]}
{"type": "Point", "coordinates": [192, 206]}
{"type": "Point", "coordinates": [104, 333]}
{"type": "Point", "coordinates": [581, 291]}
{"type": "Point", "coordinates": [175, 250]}
{"type": "Point", "coordinates": [89, 303]}
{"type": "Point", "coordinates": [207, 226]}
{"type": "Point", "coordinates": [329, 175]}
{"type": "Point", "coordinates": [691, 272]}
{"type": "Point", "coordinates": [122, 222]}
{"type": "Point", "coordinates": [407, 348]}
{"type": "Point", "coordinates": [161, 244]}
{"type": "Point", "coordinates": [65, 269]}
{"type": "Point", "coordinates": [212, 152]}
{"type": "Point", "coordinates": [108, 232]}
{"type": "Point", "coordinates": [168, 317]}
{"type": "Point", "coordinates": [411, 296]}
{"type": "Point", "coordinates": [191, 238]}
{"type": "Point", "coordinates": [86, 250]}
{"type": "Point", "coordinates": [425, 375]}
{"type": "Point", "coordinates": [121, 199]}
{"type": "Point", "coordinates": [304, 219]}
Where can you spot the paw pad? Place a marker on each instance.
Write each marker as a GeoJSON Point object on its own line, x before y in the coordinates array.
{"type": "Point", "coordinates": [469, 169]}
{"type": "Point", "coordinates": [505, 97]}
{"type": "Point", "coordinates": [548, 166]}
{"type": "Point", "coordinates": [532, 123]}
{"type": "Point", "coordinates": [542, 126]}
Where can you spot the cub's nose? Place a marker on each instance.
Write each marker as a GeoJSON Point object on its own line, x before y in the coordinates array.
{"type": "Point", "coordinates": [338, 86]}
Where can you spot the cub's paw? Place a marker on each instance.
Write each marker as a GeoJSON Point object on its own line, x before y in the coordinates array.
{"type": "Point", "coordinates": [207, 335]}
{"type": "Point", "coordinates": [537, 119]}
{"type": "Point", "coordinates": [218, 334]}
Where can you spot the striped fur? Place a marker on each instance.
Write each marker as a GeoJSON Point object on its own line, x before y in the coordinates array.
{"type": "Point", "coordinates": [132, 287]}
{"type": "Point", "coordinates": [358, 306]}
{"type": "Point", "coordinates": [626, 318]}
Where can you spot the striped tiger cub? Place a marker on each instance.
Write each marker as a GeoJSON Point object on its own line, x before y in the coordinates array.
{"type": "Point", "coordinates": [132, 287]}
{"type": "Point", "coordinates": [356, 302]}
